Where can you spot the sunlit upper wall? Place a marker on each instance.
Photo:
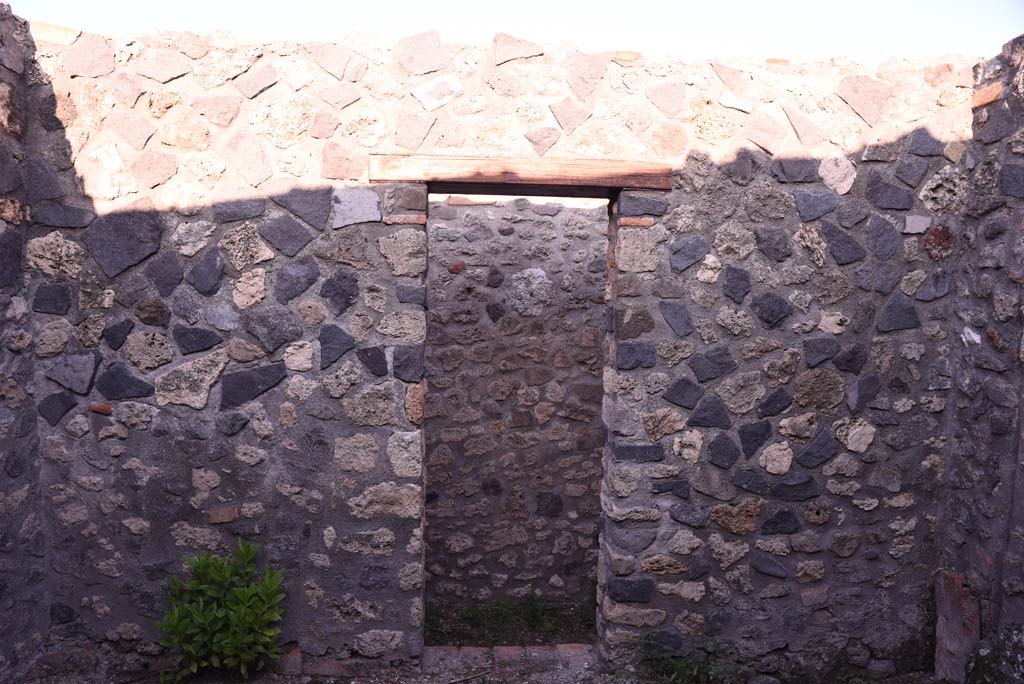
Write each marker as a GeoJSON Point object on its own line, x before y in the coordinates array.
{"type": "Point", "coordinates": [868, 30]}
{"type": "Point", "coordinates": [180, 119]}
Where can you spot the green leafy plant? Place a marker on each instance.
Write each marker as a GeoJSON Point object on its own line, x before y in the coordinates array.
{"type": "Point", "coordinates": [221, 615]}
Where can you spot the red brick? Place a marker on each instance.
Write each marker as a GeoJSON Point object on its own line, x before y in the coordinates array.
{"type": "Point", "coordinates": [636, 221]}
{"type": "Point", "coordinates": [222, 514]}
{"type": "Point", "coordinates": [101, 408]}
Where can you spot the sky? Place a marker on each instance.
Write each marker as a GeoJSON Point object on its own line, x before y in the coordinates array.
{"type": "Point", "coordinates": [795, 29]}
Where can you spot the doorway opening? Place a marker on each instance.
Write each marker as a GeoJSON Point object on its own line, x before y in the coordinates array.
{"type": "Point", "coordinates": [516, 342]}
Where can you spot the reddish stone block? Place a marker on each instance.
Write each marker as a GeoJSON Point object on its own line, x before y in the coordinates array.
{"type": "Point", "coordinates": [475, 658]}
{"type": "Point", "coordinates": [636, 221]}
{"type": "Point", "coordinates": [457, 267]}
{"type": "Point", "coordinates": [222, 514]}
{"type": "Point", "coordinates": [291, 662]}
{"type": "Point", "coordinates": [576, 656]}
{"type": "Point", "coordinates": [328, 667]}
{"type": "Point", "coordinates": [437, 659]}
{"type": "Point", "coordinates": [542, 656]}
{"type": "Point", "coordinates": [101, 408]}
{"type": "Point", "coordinates": [506, 657]}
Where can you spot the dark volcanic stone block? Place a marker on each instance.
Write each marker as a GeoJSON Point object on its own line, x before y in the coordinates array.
{"type": "Point", "coordinates": [923, 143]}
{"type": "Point", "coordinates": [775, 403]}
{"type": "Point", "coordinates": [52, 298]}
{"type": "Point", "coordinates": [859, 394]}
{"type": "Point", "coordinates": [687, 251]}
{"type": "Point", "coordinates": [374, 359]}
{"type": "Point", "coordinates": [75, 371]}
{"type": "Point", "coordinates": [243, 386]}
{"type": "Point", "coordinates": [679, 488]}
{"type": "Point", "coordinates": [722, 451]}
{"type": "Point", "coordinates": [630, 355]}
{"type": "Point", "coordinates": [911, 170]}
{"type": "Point", "coordinates": [407, 363]}
{"type": "Point", "coordinates": [689, 514]}
{"type": "Point", "coordinates": [121, 239]}
{"type": "Point", "coordinates": [273, 325]}
{"type": "Point", "coordinates": [822, 447]}
{"type": "Point", "coordinates": [286, 234]}
{"type": "Point", "coordinates": [783, 521]}
{"type": "Point", "coordinates": [935, 287]}
{"type": "Point", "coordinates": [206, 272]}
{"type": "Point", "coordinates": [753, 436]}
{"type": "Point", "coordinates": [752, 481]}
{"type": "Point", "coordinates": [549, 505]}
{"type": "Point", "coordinates": [883, 239]}
{"type": "Point", "coordinates": [843, 248]}
{"type": "Point", "coordinates": [684, 393]}
{"type": "Point", "coordinates": [769, 566]}
{"type": "Point", "coordinates": [55, 406]}
{"type": "Point", "coordinates": [192, 340]}
{"type": "Point", "coordinates": [773, 242]}
{"type": "Point", "coordinates": [797, 487]}
{"type": "Point", "coordinates": [117, 383]}
{"type": "Point", "coordinates": [710, 412]}
{"type": "Point", "coordinates": [413, 294]}
{"type": "Point", "coordinates": [795, 170]}
{"type": "Point", "coordinates": [231, 422]}
{"type": "Point", "coordinates": [10, 256]}
{"type": "Point", "coordinates": [1011, 180]}
{"type": "Point", "coordinates": [238, 209]}
{"type": "Point", "coordinates": [898, 314]}
{"type": "Point", "coordinates": [165, 273]}
{"type": "Point", "coordinates": [312, 205]}
{"type": "Point", "coordinates": [770, 308]}
{"type": "Point", "coordinates": [115, 334]}
{"type": "Point", "coordinates": [639, 204]}
{"type": "Point", "coordinates": [334, 343]}
{"type": "Point", "coordinates": [630, 590]}
{"type": "Point", "coordinates": [340, 290]}
{"type": "Point", "coordinates": [677, 316]}
{"type": "Point", "coordinates": [814, 205]}
{"type": "Point", "coordinates": [818, 350]}
{"type": "Point", "coordinates": [735, 283]}
{"type": "Point", "coordinates": [886, 195]}
{"type": "Point", "coordinates": [639, 453]}
{"type": "Point", "coordinates": [851, 359]}
{"type": "Point", "coordinates": [294, 278]}
{"type": "Point", "coordinates": [712, 364]}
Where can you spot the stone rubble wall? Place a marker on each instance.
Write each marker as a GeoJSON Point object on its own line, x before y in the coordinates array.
{"type": "Point", "coordinates": [23, 539]}
{"type": "Point", "coordinates": [515, 356]}
{"type": "Point", "coordinates": [222, 330]}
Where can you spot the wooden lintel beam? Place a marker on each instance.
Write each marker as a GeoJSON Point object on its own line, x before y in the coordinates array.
{"type": "Point", "coordinates": [601, 173]}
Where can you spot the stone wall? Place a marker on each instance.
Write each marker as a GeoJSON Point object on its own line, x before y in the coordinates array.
{"type": "Point", "coordinates": [23, 541]}
{"type": "Point", "coordinates": [810, 395]}
{"type": "Point", "coordinates": [515, 338]}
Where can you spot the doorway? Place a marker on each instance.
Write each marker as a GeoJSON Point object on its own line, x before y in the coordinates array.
{"type": "Point", "coordinates": [517, 319]}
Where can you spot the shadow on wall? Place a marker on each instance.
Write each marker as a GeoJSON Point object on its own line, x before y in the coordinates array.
{"type": "Point", "coordinates": [169, 384]}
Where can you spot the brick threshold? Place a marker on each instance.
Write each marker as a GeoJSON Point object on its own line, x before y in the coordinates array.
{"type": "Point", "coordinates": [441, 659]}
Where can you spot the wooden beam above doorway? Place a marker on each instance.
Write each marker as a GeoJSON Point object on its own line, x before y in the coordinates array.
{"type": "Point", "coordinates": [594, 173]}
